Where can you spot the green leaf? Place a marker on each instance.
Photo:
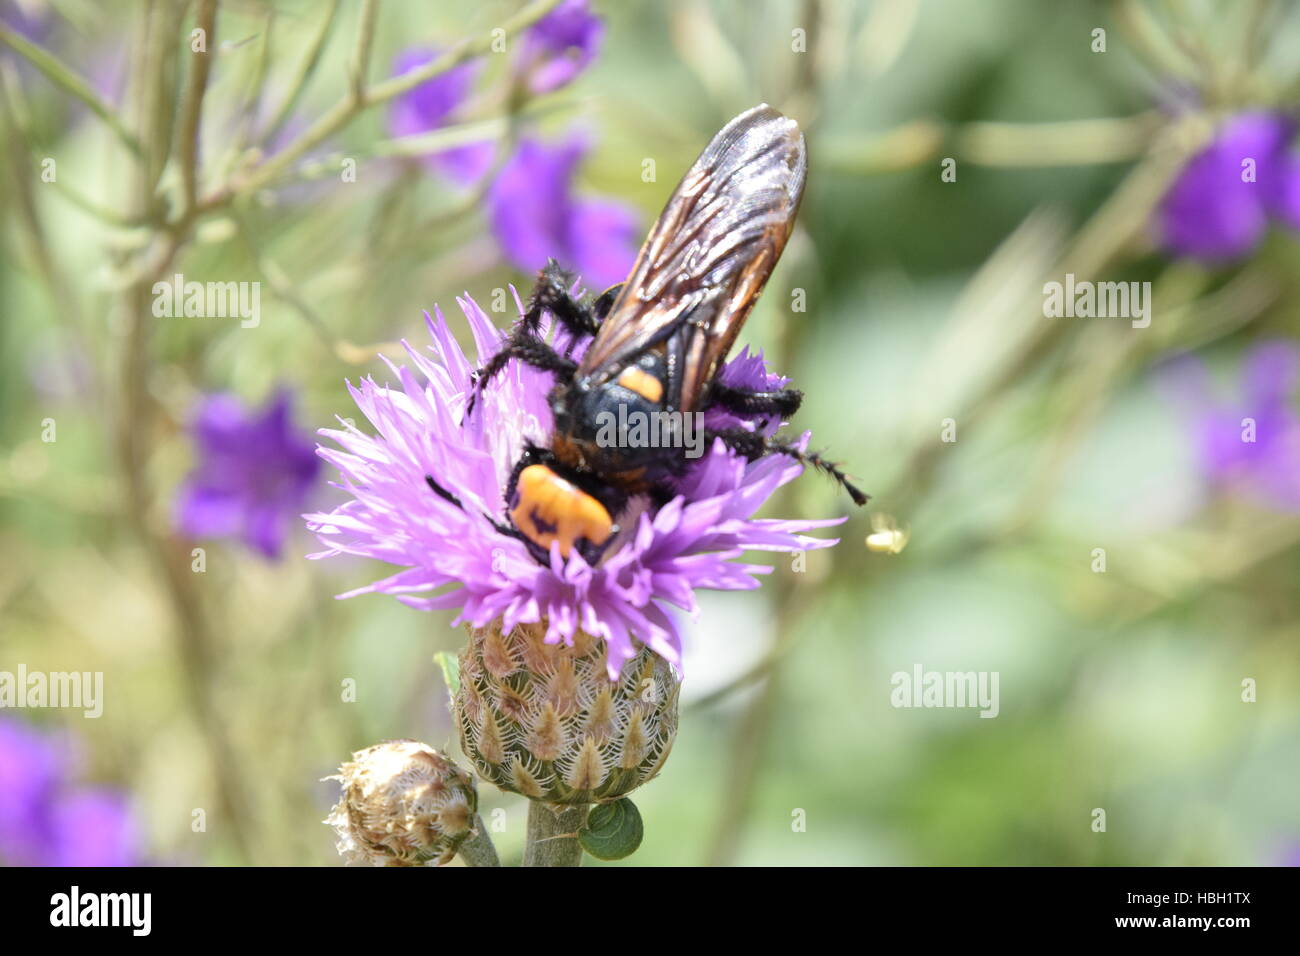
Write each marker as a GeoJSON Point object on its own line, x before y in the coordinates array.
{"type": "Point", "coordinates": [613, 830]}
{"type": "Point", "coordinates": [450, 665]}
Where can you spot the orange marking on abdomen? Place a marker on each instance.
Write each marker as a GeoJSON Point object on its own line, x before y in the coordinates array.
{"type": "Point", "coordinates": [642, 383]}
{"type": "Point", "coordinates": [551, 509]}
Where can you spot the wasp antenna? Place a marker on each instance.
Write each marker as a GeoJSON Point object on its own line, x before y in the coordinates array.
{"type": "Point", "coordinates": [442, 492]}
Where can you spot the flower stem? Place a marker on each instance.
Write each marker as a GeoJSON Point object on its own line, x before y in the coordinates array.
{"type": "Point", "coordinates": [553, 834]}
{"type": "Point", "coordinates": [352, 104]}
{"type": "Point", "coordinates": [478, 850]}
{"type": "Point", "coordinates": [63, 77]}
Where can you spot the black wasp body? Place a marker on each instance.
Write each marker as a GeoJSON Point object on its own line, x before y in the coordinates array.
{"type": "Point", "coordinates": [658, 341]}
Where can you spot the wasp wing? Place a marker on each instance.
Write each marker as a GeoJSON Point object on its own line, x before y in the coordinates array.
{"type": "Point", "coordinates": [708, 256]}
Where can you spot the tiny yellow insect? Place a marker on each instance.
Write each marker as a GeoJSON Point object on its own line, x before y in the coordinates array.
{"type": "Point", "coordinates": [886, 537]}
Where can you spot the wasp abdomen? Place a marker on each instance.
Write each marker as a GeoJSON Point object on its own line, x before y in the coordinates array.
{"type": "Point", "coordinates": [548, 509]}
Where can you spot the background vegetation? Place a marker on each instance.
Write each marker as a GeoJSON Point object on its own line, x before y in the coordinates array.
{"type": "Point", "coordinates": [1120, 690]}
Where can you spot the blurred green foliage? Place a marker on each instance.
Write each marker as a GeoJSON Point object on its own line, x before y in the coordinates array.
{"type": "Point", "coordinates": [1119, 690]}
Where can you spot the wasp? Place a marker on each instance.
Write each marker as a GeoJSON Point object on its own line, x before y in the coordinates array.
{"type": "Point", "coordinates": [657, 342]}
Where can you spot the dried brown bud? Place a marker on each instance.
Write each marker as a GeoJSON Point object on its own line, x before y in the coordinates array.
{"type": "Point", "coordinates": [403, 804]}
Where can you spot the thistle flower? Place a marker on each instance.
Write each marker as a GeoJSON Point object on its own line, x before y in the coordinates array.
{"type": "Point", "coordinates": [1221, 204]}
{"type": "Point", "coordinates": [403, 804]}
{"type": "Point", "coordinates": [535, 216]}
{"type": "Point", "coordinates": [657, 562]}
{"type": "Point", "coordinates": [430, 106]}
{"type": "Point", "coordinates": [47, 820]}
{"type": "Point", "coordinates": [569, 684]}
{"type": "Point", "coordinates": [253, 474]}
{"type": "Point", "coordinates": [1252, 441]}
{"type": "Point", "coordinates": [559, 46]}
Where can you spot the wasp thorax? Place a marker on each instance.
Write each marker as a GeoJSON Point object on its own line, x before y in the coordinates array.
{"type": "Point", "coordinates": [546, 721]}
{"type": "Point", "coordinates": [403, 804]}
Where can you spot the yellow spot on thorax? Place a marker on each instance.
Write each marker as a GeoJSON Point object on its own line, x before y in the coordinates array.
{"type": "Point", "coordinates": [642, 383]}
{"type": "Point", "coordinates": [551, 509]}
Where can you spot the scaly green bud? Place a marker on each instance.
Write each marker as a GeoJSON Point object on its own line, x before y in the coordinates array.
{"type": "Point", "coordinates": [545, 720]}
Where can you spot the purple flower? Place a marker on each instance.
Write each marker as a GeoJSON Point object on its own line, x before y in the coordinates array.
{"type": "Point", "coordinates": [94, 827]}
{"type": "Point", "coordinates": [430, 106]}
{"type": "Point", "coordinates": [456, 558]}
{"type": "Point", "coordinates": [1215, 210]}
{"type": "Point", "coordinates": [29, 777]}
{"type": "Point", "coordinates": [535, 215]}
{"type": "Point", "coordinates": [32, 22]}
{"type": "Point", "coordinates": [1251, 443]}
{"type": "Point", "coordinates": [47, 821]}
{"type": "Point", "coordinates": [253, 473]}
{"type": "Point", "coordinates": [559, 46]}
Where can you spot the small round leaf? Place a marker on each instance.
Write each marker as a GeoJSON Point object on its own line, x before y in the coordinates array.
{"type": "Point", "coordinates": [613, 830]}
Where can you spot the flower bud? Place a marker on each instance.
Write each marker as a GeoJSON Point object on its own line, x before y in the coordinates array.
{"type": "Point", "coordinates": [546, 721]}
{"type": "Point", "coordinates": [403, 804]}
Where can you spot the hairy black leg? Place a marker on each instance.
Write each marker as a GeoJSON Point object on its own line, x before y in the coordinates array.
{"type": "Point", "coordinates": [551, 294]}
{"type": "Point", "coordinates": [753, 445]}
{"type": "Point", "coordinates": [530, 351]}
{"type": "Point", "coordinates": [781, 403]}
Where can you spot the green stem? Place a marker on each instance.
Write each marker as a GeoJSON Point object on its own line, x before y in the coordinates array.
{"type": "Point", "coordinates": [68, 81]}
{"type": "Point", "coordinates": [305, 73]}
{"type": "Point", "coordinates": [353, 104]}
{"type": "Point", "coordinates": [477, 850]}
{"type": "Point", "coordinates": [359, 68]}
{"type": "Point", "coordinates": [187, 139]}
{"type": "Point", "coordinates": [553, 834]}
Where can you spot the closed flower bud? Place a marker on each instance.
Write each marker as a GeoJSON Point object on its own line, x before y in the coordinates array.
{"type": "Point", "coordinates": [403, 804]}
{"type": "Point", "coordinates": [546, 721]}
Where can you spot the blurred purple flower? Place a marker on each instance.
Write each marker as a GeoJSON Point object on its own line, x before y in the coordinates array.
{"type": "Point", "coordinates": [29, 777]}
{"type": "Point", "coordinates": [47, 821]}
{"type": "Point", "coordinates": [32, 21]}
{"type": "Point", "coordinates": [94, 827]}
{"type": "Point", "coordinates": [1211, 212]}
{"type": "Point", "coordinates": [535, 215]}
{"type": "Point", "coordinates": [430, 106]}
{"type": "Point", "coordinates": [453, 557]}
{"type": "Point", "coordinates": [559, 46]}
{"type": "Point", "coordinates": [253, 474]}
{"type": "Point", "coordinates": [1251, 443]}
